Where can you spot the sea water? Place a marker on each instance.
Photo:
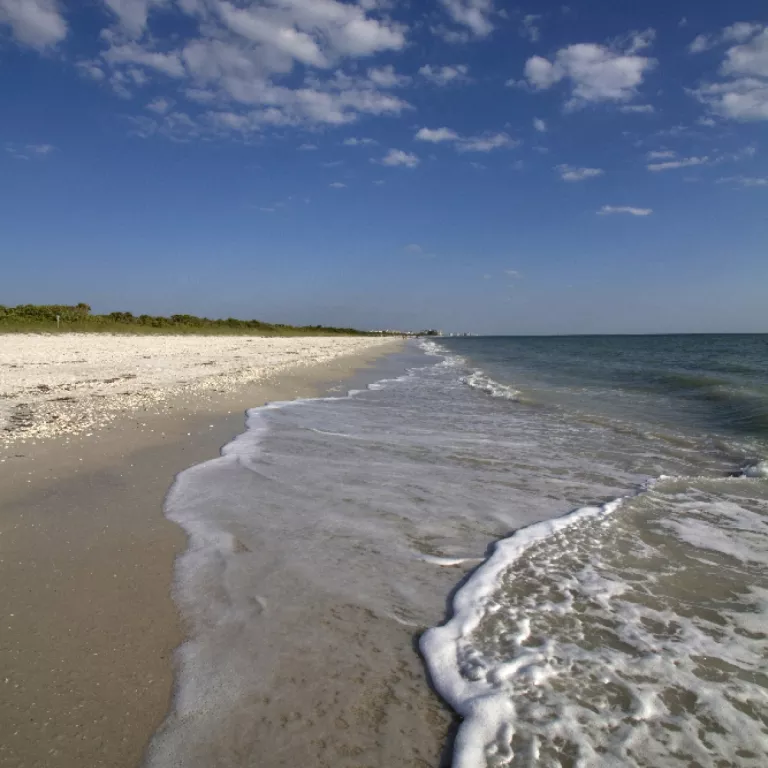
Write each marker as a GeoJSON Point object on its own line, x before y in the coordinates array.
{"type": "Point", "coordinates": [605, 500]}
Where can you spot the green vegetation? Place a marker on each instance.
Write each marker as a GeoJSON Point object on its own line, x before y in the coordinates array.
{"type": "Point", "coordinates": [31, 318]}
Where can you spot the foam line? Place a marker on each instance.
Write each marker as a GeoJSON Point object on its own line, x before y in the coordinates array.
{"type": "Point", "coordinates": [485, 710]}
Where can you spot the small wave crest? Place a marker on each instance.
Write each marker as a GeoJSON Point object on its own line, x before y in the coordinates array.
{"type": "Point", "coordinates": [484, 383]}
{"type": "Point", "coordinates": [758, 469]}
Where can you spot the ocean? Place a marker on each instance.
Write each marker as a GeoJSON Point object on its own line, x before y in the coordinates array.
{"type": "Point", "coordinates": [573, 531]}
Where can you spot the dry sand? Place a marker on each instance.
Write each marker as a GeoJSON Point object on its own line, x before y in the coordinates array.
{"type": "Point", "coordinates": [74, 383]}
{"type": "Point", "coordinates": [87, 624]}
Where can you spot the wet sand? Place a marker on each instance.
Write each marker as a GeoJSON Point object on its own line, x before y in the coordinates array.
{"type": "Point", "coordinates": [88, 623]}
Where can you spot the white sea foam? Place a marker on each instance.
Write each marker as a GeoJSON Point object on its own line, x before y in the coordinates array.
{"type": "Point", "coordinates": [458, 671]}
{"type": "Point", "coordinates": [589, 640]}
{"type": "Point", "coordinates": [759, 469]}
{"type": "Point", "coordinates": [449, 562]}
{"type": "Point", "coordinates": [484, 383]}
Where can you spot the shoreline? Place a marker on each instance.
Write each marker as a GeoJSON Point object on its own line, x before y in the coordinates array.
{"type": "Point", "coordinates": [86, 570]}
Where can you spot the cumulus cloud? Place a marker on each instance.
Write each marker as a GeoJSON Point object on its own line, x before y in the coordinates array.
{"type": "Point", "coordinates": [414, 248]}
{"type": "Point", "coordinates": [683, 162]}
{"type": "Point", "coordinates": [37, 23]}
{"type": "Point", "coordinates": [595, 73]}
{"type": "Point", "coordinates": [742, 94]}
{"type": "Point", "coordinates": [474, 15]}
{"type": "Point", "coordinates": [133, 53]}
{"type": "Point", "coordinates": [337, 185]}
{"type": "Point", "coordinates": [607, 210]}
{"type": "Point", "coordinates": [240, 52]}
{"type": "Point", "coordinates": [446, 75]}
{"type": "Point", "coordinates": [436, 135]}
{"type": "Point", "coordinates": [569, 173]}
{"type": "Point", "coordinates": [386, 77]}
{"type": "Point", "coordinates": [159, 105]}
{"type": "Point", "coordinates": [307, 147]}
{"type": "Point", "coordinates": [539, 125]}
{"type": "Point", "coordinates": [735, 33]}
{"type": "Point", "coordinates": [397, 157]}
{"type": "Point", "coordinates": [132, 14]}
{"type": "Point", "coordinates": [485, 142]}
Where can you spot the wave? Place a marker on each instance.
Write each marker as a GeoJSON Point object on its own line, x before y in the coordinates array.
{"type": "Point", "coordinates": [601, 646]}
{"type": "Point", "coordinates": [484, 383]}
{"type": "Point", "coordinates": [485, 710]}
{"type": "Point", "coordinates": [757, 469]}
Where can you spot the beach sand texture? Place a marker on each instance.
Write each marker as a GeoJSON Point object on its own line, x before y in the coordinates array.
{"type": "Point", "coordinates": [71, 383]}
{"type": "Point", "coordinates": [88, 623]}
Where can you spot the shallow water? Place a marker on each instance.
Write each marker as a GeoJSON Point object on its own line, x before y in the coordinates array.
{"type": "Point", "coordinates": [629, 632]}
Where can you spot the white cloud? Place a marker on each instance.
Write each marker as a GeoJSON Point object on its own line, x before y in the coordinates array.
{"type": "Point", "coordinates": [413, 248]}
{"type": "Point", "coordinates": [513, 273]}
{"type": "Point", "coordinates": [396, 157]}
{"type": "Point", "coordinates": [540, 125]}
{"type": "Point", "coordinates": [386, 77]}
{"type": "Point", "coordinates": [743, 93]}
{"type": "Point", "coordinates": [746, 181]}
{"type": "Point", "coordinates": [40, 149]}
{"type": "Point", "coordinates": [159, 105]}
{"type": "Point", "coordinates": [29, 150]}
{"type": "Point", "coordinates": [90, 69]}
{"type": "Point", "coordinates": [313, 32]}
{"type": "Point", "coordinates": [436, 135]}
{"type": "Point", "coordinates": [569, 173]}
{"type": "Point", "coordinates": [660, 154]}
{"type": "Point", "coordinates": [307, 147]}
{"type": "Point", "coordinates": [741, 31]}
{"type": "Point", "coordinates": [707, 122]}
{"type": "Point", "coordinates": [133, 53]}
{"type": "Point", "coordinates": [355, 142]}
{"type": "Point", "coordinates": [745, 99]}
{"type": "Point", "coordinates": [683, 162]}
{"type": "Point", "coordinates": [379, 182]}
{"type": "Point", "coordinates": [132, 14]}
{"type": "Point", "coordinates": [735, 33]}
{"type": "Point", "coordinates": [595, 72]}
{"type": "Point", "coordinates": [749, 58]}
{"type": "Point", "coordinates": [445, 75]}
{"type": "Point", "coordinates": [529, 27]}
{"type": "Point", "coordinates": [637, 109]}
{"type": "Point", "coordinates": [475, 15]}
{"type": "Point", "coordinates": [485, 142]}
{"type": "Point", "coordinates": [700, 43]}
{"type": "Point", "coordinates": [241, 52]}
{"type": "Point", "coordinates": [37, 23]}
{"type": "Point", "coordinates": [607, 210]}
{"type": "Point", "coordinates": [337, 185]}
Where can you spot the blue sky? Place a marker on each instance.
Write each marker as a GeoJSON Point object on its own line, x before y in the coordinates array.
{"type": "Point", "coordinates": [466, 164]}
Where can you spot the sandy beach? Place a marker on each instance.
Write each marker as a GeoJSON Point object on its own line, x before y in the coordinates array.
{"type": "Point", "coordinates": [86, 556]}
